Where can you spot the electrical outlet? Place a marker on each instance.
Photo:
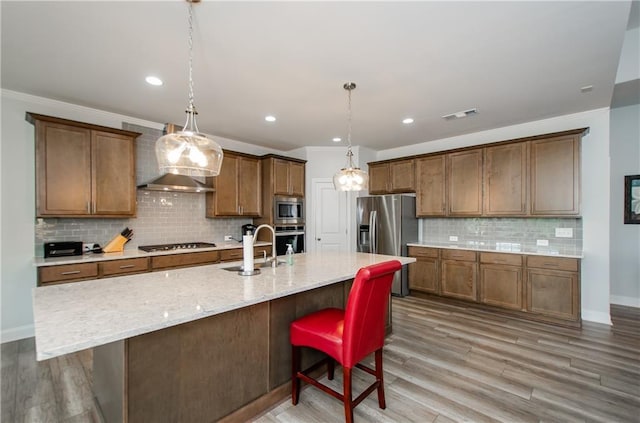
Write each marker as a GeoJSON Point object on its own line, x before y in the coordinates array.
{"type": "Point", "coordinates": [453, 237]}
{"type": "Point", "coordinates": [542, 242]}
{"type": "Point", "coordinates": [228, 238]}
{"type": "Point", "coordinates": [564, 232]}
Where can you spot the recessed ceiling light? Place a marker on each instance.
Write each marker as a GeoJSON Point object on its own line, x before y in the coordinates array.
{"type": "Point", "coordinates": [153, 80]}
{"type": "Point", "coordinates": [270, 118]}
{"type": "Point", "coordinates": [407, 121]}
{"type": "Point", "coordinates": [337, 139]}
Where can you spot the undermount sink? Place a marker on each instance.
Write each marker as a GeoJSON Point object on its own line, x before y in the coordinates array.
{"type": "Point", "coordinates": [256, 265]}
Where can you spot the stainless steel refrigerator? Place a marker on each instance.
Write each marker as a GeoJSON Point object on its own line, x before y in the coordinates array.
{"type": "Point", "coordinates": [386, 223]}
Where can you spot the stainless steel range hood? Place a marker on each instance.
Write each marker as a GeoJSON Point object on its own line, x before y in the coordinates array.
{"type": "Point", "coordinates": [177, 183]}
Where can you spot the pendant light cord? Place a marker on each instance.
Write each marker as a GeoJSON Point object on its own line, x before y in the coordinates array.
{"type": "Point", "coordinates": [191, 100]}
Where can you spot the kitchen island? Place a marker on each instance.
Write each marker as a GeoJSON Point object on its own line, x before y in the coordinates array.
{"type": "Point", "coordinates": [194, 344]}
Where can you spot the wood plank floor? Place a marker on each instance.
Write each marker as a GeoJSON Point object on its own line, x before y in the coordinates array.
{"type": "Point", "coordinates": [443, 363]}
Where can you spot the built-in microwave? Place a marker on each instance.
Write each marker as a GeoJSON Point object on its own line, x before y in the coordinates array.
{"type": "Point", "coordinates": [288, 210]}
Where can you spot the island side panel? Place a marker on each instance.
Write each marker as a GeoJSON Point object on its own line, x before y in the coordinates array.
{"type": "Point", "coordinates": [199, 371]}
{"type": "Point", "coordinates": [108, 380]}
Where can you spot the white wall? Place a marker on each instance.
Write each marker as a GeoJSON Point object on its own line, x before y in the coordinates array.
{"type": "Point", "coordinates": [595, 189]}
{"type": "Point", "coordinates": [625, 239]}
{"type": "Point", "coordinates": [17, 273]}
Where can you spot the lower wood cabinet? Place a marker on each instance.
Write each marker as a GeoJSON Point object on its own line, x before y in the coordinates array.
{"type": "Point", "coordinates": [238, 253]}
{"type": "Point", "coordinates": [67, 273]}
{"type": "Point", "coordinates": [539, 288]}
{"type": "Point", "coordinates": [501, 280]}
{"type": "Point", "coordinates": [121, 267]}
{"type": "Point", "coordinates": [185, 260]}
{"type": "Point", "coordinates": [553, 287]}
{"type": "Point", "coordinates": [459, 274]}
{"type": "Point", "coordinates": [424, 274]}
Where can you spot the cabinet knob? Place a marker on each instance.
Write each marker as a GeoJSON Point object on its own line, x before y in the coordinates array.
{"type": "Point", "coordinates": [318, 239]}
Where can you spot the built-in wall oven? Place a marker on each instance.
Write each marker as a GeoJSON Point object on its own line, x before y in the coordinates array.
{"type": "Point", "coordinates": [289, 234]}
{"type": "Point", "coordinates": [288, 210]}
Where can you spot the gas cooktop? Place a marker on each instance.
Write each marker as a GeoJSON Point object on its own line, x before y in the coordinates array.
{"type": "Point", "coordinates": [177, 246]}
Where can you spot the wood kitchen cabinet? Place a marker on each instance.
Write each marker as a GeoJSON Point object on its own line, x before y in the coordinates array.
{"type": "Point", "coordinates": [67, 273]}
{"type": "Point", "coordinates": [459, 277]}
{"type": "Point", "coordinates": [238, 253]}
{"type": "Point", "coordinates": [288, 178]}
{"type": "Point", "coordinates": [464, 183]}
{"type": "Point", "coordinates": [424, 274]}
{"type": "Point", "coordinates": [392, 177]}
{"type": "Point", "coordinates": [505, 180]}
{"type": "Point", "coordinates": [555, 176]}
{"type": "Point", "coordinates": [237, 187]}
{"type": "Point", "coordinates": [83, 170]}
{"type": "Point", "coordinates": [501, 280]}
{"type": "Point", "coordinates": [553, 287]}
{"type": "Point", "coordinates": [431, 193]}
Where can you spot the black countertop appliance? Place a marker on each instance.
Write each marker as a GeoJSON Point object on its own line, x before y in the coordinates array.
{"type": "Point", "coordinates": [248, 228]}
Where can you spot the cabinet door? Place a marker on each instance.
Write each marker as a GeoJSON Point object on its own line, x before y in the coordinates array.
{"type": "Point", "coordinates": [402, 176]}
{"type": "Point", "coordinates": [424, 275]}
{"type": "Point", "coordinates": [459, 279]}
{"type": "Point", "coordinates": [501, 286]}
{"type": "Point", "coordinates": [378, 178]}
{"type": "Point", "coordinates": [113, 168]}
{"type": "Point", "coordinates": [224, 201]}
{"type": "Point", "coordinates": [430, 186]}
{"type": "Point", "coordinates": [505, 180]}
{"type": "Point", "coordinates": [465, 183]}
{"type": "Point", "coordinates": [249, 187]}
{"type": "Point", "coordinates": [281, 177]}
{"type": "Point", "coordinates": [63, 166]}
{"type": "Point", "coordinates": [555, 176]}
{"type": "Point", "coordinates": [296, 176]}
{"type": "Point", "coordinates": [553, 293]}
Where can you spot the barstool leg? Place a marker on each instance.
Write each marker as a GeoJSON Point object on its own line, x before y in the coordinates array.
{"type": "Point", "coordinates": [347, 395]}
{"type": "Point", "coordinates": [379, 375]}
{"type": "Point", "coordinates": [295, 367]}
{"type": "Point", "coordinates": [331, 366]}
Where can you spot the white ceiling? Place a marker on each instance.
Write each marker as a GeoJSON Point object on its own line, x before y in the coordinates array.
{"type": "Point", "coordinates": [514, 61]}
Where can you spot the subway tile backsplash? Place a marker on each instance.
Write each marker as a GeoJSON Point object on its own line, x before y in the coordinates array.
{"type": "Point", "coordinates": [162, 217]}
{"type": "Point", "coordinates": [505, 232]}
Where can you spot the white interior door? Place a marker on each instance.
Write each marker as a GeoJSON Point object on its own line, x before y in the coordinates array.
{"type": "Point", "coordinates": [330, 217]}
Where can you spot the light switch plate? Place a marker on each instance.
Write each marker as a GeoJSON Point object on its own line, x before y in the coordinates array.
{"type": "Point", "coordinates": [542, 242]}
{"type": "Point", "coordinates": [564, 232]}
{"type": "Point", "coordinates": [453, 237]}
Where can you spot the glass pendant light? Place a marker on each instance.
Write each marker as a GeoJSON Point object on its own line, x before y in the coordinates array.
{"type": "Point", "coordinates": [350, 178]}
{"type": "Point", "coordinates": [189, 152]}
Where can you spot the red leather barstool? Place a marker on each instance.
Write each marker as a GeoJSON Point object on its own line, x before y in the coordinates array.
{"type": "Point", "coordinates": [347, 336]}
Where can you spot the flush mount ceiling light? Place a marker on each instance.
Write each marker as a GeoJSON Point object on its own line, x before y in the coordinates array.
{"type": "Point", "coordinates": [350, 178]}
{"type": "Point", "coordinates": [407, 121]}
{"type": "Point", "coordinates": [337, 139]}
{"type": "Point", "coordinates": [460, 115]}
{"type": "Point", "coordinates": [270, 118]}
{"type": "Point", "coordinates": [189, 152]}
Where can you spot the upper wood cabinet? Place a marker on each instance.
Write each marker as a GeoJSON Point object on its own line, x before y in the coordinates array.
{"type": "Point", "coordinates": [83, 170]}
{"type": "Point", "coordinates": [392, 177]}
{"type": "Point", "coordinates": [505, 180]}
{"type": "Point", "coordinates": [237, 187]}
{"type": "Point", "coordinates": [288, 177]}
{"type": "Point", "coordinates": [431, 193]}
{"type": "Point", "coordinates": [555, 176]}
{"type": "Point", "coordinates": [464, 183]}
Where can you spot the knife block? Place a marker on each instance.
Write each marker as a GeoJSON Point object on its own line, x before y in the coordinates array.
{"type": "Point", "coordinates": [116, 245]}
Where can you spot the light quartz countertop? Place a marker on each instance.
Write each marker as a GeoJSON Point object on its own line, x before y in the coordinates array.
{"type": "Point", "coordinates": [135, 253]}
{"type": "Point", "coordinates": [496, 247]}
{"type": "Point", "coordinates": [75, 316]}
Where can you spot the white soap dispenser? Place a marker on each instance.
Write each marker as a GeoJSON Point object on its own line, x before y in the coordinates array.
{"type": "Point", "coordinates": [289, 255]}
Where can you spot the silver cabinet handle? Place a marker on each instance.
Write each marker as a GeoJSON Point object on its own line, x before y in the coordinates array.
{"type": "Point", "coordinates": [71, 272]}
{"type": "Point", "coordinates": [88, 206]}
{"type": "Point", "coordinates": [127, 266]}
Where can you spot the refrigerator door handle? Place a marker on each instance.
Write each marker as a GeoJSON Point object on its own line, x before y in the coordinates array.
{"type": "Point", "coordinates": [373, 220]}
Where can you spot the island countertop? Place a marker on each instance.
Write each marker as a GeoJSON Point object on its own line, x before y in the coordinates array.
{"type": "Point", "coordinates": [80, 315]}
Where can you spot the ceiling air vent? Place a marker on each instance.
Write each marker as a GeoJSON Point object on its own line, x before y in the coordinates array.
{"type": "Point", "coordinates": [460, 115]}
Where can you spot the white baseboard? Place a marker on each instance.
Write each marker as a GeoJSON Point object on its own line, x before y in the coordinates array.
{"type": "Point", "coordinates": [624, 301]}
{"type": "Point", "coordinates": [596, 317]}
{"type": "Point", "coordinates": [21, 332]}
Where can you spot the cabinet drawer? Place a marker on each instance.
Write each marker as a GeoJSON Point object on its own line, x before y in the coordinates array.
{"type": "Point", "coordinates": [553, 263]}
{"type": "Point", "coordinates": [422, 252]}
{"type": "Point", "coordinates": [186, 259]}
{"type": "Point", "coordinates": [118, 267]}
{"type": "Point", "coordinates": [68, 272]}
{"type": "Point", "coordinates": [236, 254]}
{"type": "Point", "coordinates": [463, 255]}
{"type": "Point", "coordinates": [498, 258]}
